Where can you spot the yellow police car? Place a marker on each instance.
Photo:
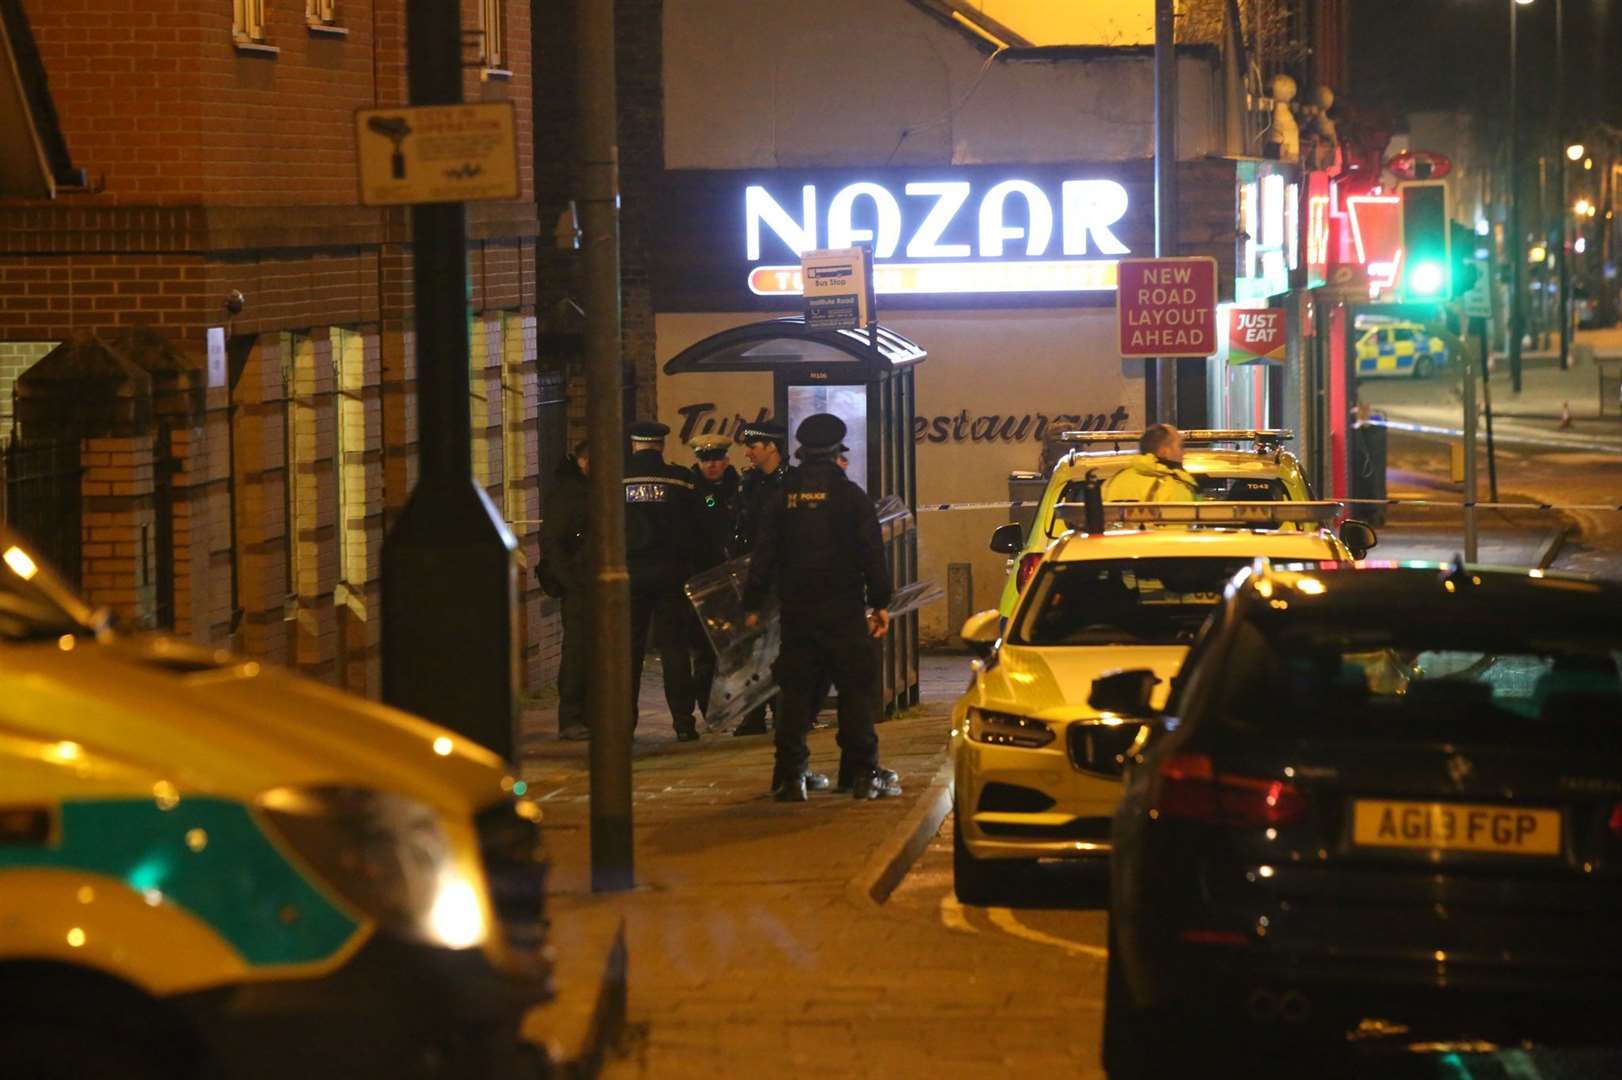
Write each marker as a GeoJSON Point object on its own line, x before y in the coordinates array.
{"type": "Point", "coordinates": [1400, 349]}
{"type": "Point", "coordinates": [1249, 465]}
{"type": "Point", "coordinates": [1037, 770]}
{"type": "Point", "coordinates": [212, 867]}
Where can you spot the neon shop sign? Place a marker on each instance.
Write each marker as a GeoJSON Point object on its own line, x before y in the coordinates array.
{"type": "Point", "coordinates": [943, 236]}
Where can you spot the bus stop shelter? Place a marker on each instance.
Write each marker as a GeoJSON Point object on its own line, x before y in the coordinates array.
{"type": "Point", "coordinates": [865, 377]}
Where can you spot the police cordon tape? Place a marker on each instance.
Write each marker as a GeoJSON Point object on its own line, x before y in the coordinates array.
{"type": "Point", "coordinates": [1017, 504]}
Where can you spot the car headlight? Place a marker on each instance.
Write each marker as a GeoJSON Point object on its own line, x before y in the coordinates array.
{"type": "Point", "coordinates": [386, 854]}
{"type": "Point", "coordinates": [1006, 729]}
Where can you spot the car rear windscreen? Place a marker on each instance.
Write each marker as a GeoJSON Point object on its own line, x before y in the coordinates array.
{"type": "Point", "coordinates": [1422, 681]}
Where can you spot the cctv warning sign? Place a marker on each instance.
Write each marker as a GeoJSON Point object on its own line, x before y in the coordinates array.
{"type": "Point", "coordinates": [1167, 307]}
{"type": "Point", "coordinates": [1256, 336]}
{"type": "Point", "coordinates": [436, 153]}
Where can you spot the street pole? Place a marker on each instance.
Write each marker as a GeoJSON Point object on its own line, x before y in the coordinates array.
{"type": "Point", "coordinates": [450, 610]}
{"type": "Point", "coordinates": [1561, 165]}
{"type": "Point", "coordinates": [1163, 408]}
{"type": "Point", "coordinates": [1486, 402]}
{"type": "Point", "coordinates": [609, 706]}
{"type": "Point", "coordinates": [1467, 374]}
{"type": "Point", "coordinates": [1517, 256]}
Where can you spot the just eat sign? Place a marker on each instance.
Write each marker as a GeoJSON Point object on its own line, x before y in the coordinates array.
{"type": "Point", "coordinates": [1167, 307]}
{"type": "Point", "coordinates": [1256, 335]}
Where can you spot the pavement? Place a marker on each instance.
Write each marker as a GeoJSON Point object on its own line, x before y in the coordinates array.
{"type": "Point", "coordinates": [1568, 476]}
{"type": "Point", "coordinates": [755, 937]}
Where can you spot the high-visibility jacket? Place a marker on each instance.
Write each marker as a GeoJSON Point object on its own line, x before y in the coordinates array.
{"type": "Point", "coordinates": [1148, 479]}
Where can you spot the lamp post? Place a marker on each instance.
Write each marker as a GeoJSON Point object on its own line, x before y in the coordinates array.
{"type": "Point", "coordinates": [1517, 242]}
{"type": "Point", "coordinates": [1560, 185]}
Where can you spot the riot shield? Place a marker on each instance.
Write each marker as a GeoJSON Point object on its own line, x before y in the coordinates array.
{"type": "Point", "coordinates": [743, 655]}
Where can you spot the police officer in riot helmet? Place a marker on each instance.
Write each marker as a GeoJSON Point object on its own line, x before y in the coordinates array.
{"type": "Point", "coordinates": [716, 483]}
{"type": "Point", "coordinates": [819, 546]}
{"type": "Point", "coordinates": [763, 444]}
{"type": "Point", "coordinates": [663, 545]}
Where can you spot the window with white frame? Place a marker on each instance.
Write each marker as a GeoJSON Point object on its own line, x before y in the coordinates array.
{"type": "Point", "coordinates": [321, 12]}
{"type": "Point", "coordinates": [248, 20]}
{"type": "Point", "coordinates": [493, 22]}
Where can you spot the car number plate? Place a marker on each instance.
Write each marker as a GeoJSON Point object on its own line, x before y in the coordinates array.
{"type": "Point", "coordinates": [1455, 827]}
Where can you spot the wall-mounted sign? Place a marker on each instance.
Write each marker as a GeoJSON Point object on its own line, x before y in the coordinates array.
{"type": "Point", "coordinates": [437, 153]}
{"type": "Point", "coordinates": [1256, 335]}
{"type": "Point", "coordinates": [1167, 307]}
{"type": "Point", "coordinates": [948, 236]}
{"type": "Point", "coordinates": [944, 235]}
{"type": "Point", "coordinates": [835, 287]}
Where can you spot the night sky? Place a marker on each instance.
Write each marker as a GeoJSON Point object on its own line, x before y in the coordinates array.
{"type": "Point", "coordinates": [1437, 54]}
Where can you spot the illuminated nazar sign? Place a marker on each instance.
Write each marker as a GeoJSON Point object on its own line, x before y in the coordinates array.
{"type": "Point", "coordinates": [1013, 236]}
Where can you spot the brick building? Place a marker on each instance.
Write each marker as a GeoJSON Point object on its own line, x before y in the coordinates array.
{"type": "Point", "coordinates": [238, 478]}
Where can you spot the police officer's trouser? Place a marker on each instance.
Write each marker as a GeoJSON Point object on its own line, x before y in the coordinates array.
{"type": "Point", "coordinates": [664, 608]}
{"type": "Point", "coordinates": [576, 659]}
{"type": "Point", "coordinates": [703, 662]}
{"type": "Point", "coordinates": [818, 647]}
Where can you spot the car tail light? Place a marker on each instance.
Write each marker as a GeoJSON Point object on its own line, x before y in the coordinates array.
{"type": "Point", "coordinates": [1027, 566]}
{"type": "Point", "coordinates": [1616, 821]}
{"type": "Point", "coordinates": [1191, 789]}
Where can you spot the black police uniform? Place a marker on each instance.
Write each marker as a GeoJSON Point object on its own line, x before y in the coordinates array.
{"type": "Point", "coordinates": [663, 536]}
{"type": "Point", "coordinates": [820, 547]}
{"type": "Point", "coordinates": [565, 573]}
{"type": "Point", "coordinates": [756, 491]}
{"type": "Point", "coordinates": [718, 504]}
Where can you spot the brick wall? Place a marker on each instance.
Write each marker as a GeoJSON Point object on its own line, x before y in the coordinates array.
{"type": "Point", "coordinates": [220, 169]}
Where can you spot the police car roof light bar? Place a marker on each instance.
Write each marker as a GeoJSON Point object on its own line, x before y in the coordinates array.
{"type": "Point", "coordinates": [1213, 513]}
{"type": "Point", "coordinates": [1261, 436]}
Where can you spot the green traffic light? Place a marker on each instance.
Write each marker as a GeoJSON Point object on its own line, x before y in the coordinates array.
{"type": "Point", "coordinates": [1426, 279]}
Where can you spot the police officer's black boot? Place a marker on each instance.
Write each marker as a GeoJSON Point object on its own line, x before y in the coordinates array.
{"type": "Point", "coordinates": [790, 788]}
{"type": "Point", "coordinates": [815, 781]}
{"type": "Point", "coordinates": [876, 784]}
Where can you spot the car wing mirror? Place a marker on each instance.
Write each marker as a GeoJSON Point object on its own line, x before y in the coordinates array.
{"type": "Point", "coordinates": [1008, 539]}
{"type": "Point", "coordinates": [1126, 693]}
{"type": "Point", "coordinates": [1358, 536]}
{"type": "Point", "coordinates": [981, 631]}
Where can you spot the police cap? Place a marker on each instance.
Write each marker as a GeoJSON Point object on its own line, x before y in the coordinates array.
{"type": "Point", "coordinates": [711, 447]}
{"type": "Point", "coordinates": [762, 431]}
{"type": "Point", "coordinates": [648, 431]}
{"type": "Point", "coordinates": [821, 434]}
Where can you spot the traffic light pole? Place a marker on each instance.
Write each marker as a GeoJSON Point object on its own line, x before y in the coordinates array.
{"type": "Point", "coordinates": [1517, 256]}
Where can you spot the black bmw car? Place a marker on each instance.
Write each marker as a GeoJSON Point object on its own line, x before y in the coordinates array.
{"type": "Point", "coordinates": [1384, 803]}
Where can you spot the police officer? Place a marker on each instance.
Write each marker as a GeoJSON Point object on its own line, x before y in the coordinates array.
{"type": "Point", "coordinates": [663, 541]}
{"type": "Point", "coordinates": [820, 548]}
{"type": "Point", "coordinates": [716, 483]}
{"type": "Point", "coordinates": [564, 573]}
{"type": "Point", "coordinates": [1156, 474]}
{"type": "Point", "coordinates": [763, 444]}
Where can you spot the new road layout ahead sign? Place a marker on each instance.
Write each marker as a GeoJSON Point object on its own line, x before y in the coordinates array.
{"type": "Point", "coordinates": [437, 153]}
{"type": "Point", "coordinates": [1167, 307]}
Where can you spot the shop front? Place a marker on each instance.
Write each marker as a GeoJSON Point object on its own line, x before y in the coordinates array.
{"type": "Point", "coordinates": [1004, 274]}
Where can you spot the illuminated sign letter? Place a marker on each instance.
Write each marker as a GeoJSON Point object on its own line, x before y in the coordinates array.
{"type": "Point", "coordinates": [1092, 206]}
{"type": "Point", "coordinates": [842, 235]}
{"type": "Point", "coordinates": [950, 195]}
{"type": "Point", "coordinates": [759, 207]}
{"type": "Point", "coordinates": [992, 229]}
